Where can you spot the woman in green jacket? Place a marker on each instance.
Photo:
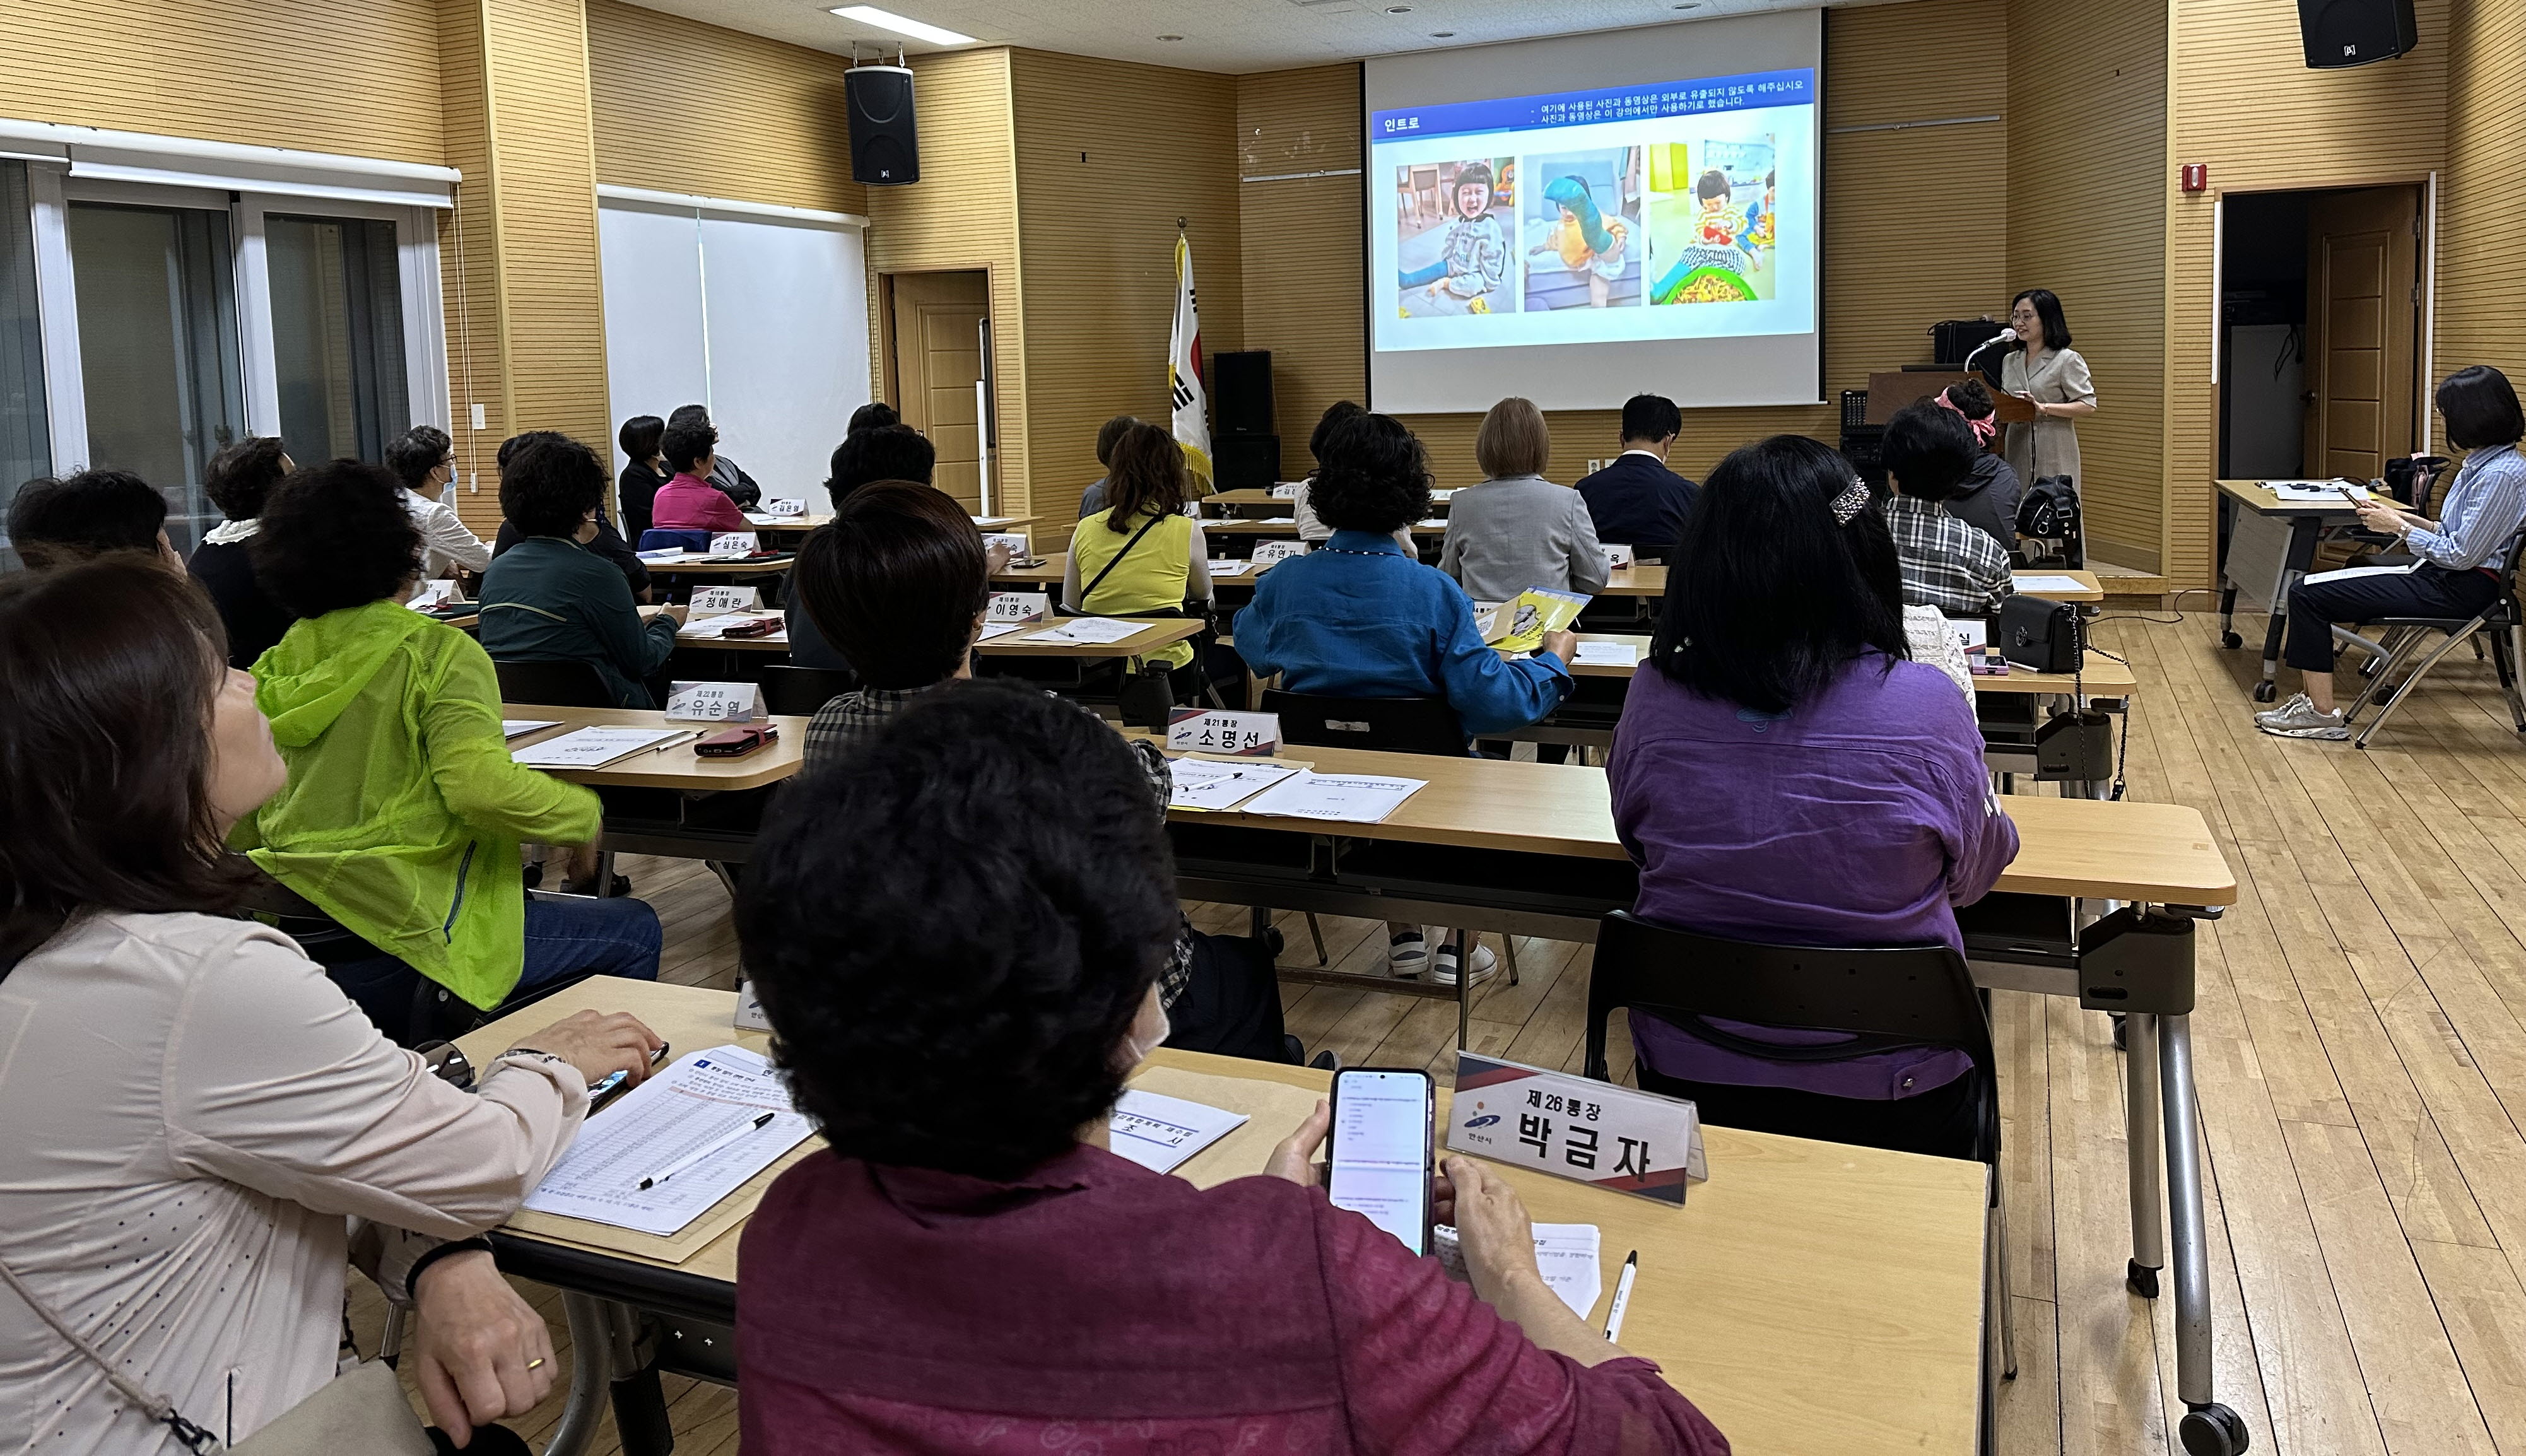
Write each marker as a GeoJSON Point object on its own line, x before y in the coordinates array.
{"type": "Point", "coordinates": [404, 812]}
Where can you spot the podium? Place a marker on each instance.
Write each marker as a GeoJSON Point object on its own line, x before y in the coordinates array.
{"type": "Point", "coordinates": [1892, 389]}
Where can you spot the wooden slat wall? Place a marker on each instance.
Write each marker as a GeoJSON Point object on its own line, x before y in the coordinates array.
{"type": "Point", "coordinates": [2086, 207]}
{"type": "Point", "coordinates": [2482, 249]}
{"type": "Point", "coordinates": [2241, 99]}
{"type": "Point", "coordinates": [1894, 261]}
{"type": "Point", "coordinates": [747, 118]}
{"type": "Point", "coordinates": [963, 214]}
{"type": "Point", "coordinates": [1109, 154]}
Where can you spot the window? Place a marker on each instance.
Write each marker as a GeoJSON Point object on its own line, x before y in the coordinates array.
{"type": "Point", "coordinates": [26, 444]}
{"type": "Point", "coordinates": [338, 340]}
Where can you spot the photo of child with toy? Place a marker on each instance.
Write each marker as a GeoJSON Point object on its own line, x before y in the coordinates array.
{"type": "Point", "coordinates": [1455, 225]}
{"type": "Point", "coordinates": [1583, 229]}
{"type": "Point", "coordinates": [1712, 220]}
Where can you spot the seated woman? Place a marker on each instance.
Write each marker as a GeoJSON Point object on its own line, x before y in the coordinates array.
{"type": "Point", "coordinates": [607, 543]}
{"type": "Point", "coordinates": [969, 1269]}
{"type": "Point", "coordinates": [1986, 497]}
{"type": "Point", "coordinates": [1093, 499]}
{"type": "Point", "coordinates": [241, 477]}
{"type": "Point", "coordinates": [689, 501]}
{"type": "Point", "coordinates": [1358, 618]}
{"type": "Point", "coordinates": [54, 522]}
{"type": "Point", "coordinates": [404, 813]}
{"type": "Point", "coordinates": [425, 459]}
{"type": "Point", "coordinates": [2460, 553]}
{"type": "Point", "coordinates": [178, 1069]}
{"type": "Point", "coordinates": [1311, 527]}
{"type": "Point", "coordinates": [645, 472]}
{"type": "Point", "coordinates": [878, 448]}
{"type": "Point", "coordinates": [1518, 530]}
{"type": "Point", "coordinates": [1946, 562]}
{"type": "Point", "coordinates": [548, 598]}
{"type": "Point", "coordinates": [1781, 773]}
{"type": "Point", "coordinates": [1144, 554]}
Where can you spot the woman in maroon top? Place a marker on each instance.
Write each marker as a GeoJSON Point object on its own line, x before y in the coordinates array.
{"type": "Point", "coordinates": [957, 934]}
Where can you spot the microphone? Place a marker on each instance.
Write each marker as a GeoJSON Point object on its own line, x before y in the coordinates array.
{"type": "Point", "coordinates": [2010, 334]}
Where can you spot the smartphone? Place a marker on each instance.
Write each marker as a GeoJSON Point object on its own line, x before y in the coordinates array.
{"type": "Point", "coordinates": [1382, 1145]}
{"type": "Point", "coordinates": [604, 1087]}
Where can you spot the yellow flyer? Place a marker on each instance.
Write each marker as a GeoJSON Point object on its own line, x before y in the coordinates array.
{"type": "Point", "coordinates": [1519, 625]}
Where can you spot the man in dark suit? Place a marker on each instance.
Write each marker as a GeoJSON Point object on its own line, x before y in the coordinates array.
{"type": "Point", "coordinates": [1636, 500]}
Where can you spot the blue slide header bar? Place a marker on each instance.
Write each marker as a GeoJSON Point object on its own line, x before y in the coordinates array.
{"type": "Point", "coordinates": [1683, 98]}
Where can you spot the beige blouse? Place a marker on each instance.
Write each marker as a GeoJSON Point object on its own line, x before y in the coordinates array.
{"type": "Point", "coordinates": [197, 1123]}
{"type": "Point", "coordinates": [2047, 446]}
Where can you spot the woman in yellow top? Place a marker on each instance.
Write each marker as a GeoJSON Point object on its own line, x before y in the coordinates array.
{"type": "Point", "coordinates": [1143, 554]}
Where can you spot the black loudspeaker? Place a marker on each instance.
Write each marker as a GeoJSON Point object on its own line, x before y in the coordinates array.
{"type": "Point", "coordinates": [884, 152]}
{"type": "Point", "coordinates": [2355, 33]}
{"type": "Point", "coordinates": [1247, 462]}
{"type": "Point", "coordinates": [1241, 388]}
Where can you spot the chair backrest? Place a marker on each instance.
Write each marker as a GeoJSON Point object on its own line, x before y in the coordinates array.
{"type": "Point", "coordinates": [797, 692]}
{"type": "Point", "coordinates": [658, 539]}
{"type": "Point", "coordinates": [1919, 996]}
{"type": "Point", "coordinates": [2508, 568]}
{"type": "Point", "coordinates": [1394, 725]}
{"type": "Point", "coordinates": [554, 685]}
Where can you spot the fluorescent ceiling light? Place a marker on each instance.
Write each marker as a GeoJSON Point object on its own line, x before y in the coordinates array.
{"type": "Point", "coordinates": [886, 20]}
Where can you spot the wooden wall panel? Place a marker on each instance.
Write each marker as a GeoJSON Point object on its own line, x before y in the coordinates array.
{"type": "Point", "coordinates": [2088, 186]}
{"type": "Point", "coordinates": [749, 118]}
{"type": "Point", "coordinates": [2482, 249]}
{"type": "Point", "coordinates": [1298, 156]}
{"type": "Point", "coordinates": [2241, 99]}
{"type": "Point", "coordinates": [963, 214]}
{"type": "Point", "coordinates": [1100, 183]}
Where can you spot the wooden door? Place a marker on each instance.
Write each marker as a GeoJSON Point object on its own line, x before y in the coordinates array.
{"type": "Point", "coordinates": [2363, 323]}
{"type": "Point", "coordinates": [938, 360]}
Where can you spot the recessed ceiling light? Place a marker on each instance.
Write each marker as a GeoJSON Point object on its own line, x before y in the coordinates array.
{"type": "Point", "coordinates": [886, 20]}
{"type": "Point", "coordinates": [1443, 35]}
{"type": "Point", "coordinates": [1690, 5]}
{"type": "Point", "coordinates": [1398, 9]}
{"type": "Point", "coordinates": [1170, 38]}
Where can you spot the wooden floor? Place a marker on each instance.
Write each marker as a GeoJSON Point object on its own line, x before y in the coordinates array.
{"type": "Point", "coordinates": [2360, 1056]}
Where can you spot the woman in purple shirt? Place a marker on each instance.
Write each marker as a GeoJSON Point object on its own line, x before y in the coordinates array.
{"type": "Point", "coordinates": [1782, 774]}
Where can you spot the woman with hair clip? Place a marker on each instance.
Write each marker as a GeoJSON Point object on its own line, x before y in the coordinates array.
{"type": "Point", "coordinates": [1986, 497]}
{"type": "Point", "coordinates": [2042, 369]}
{"type": "Point", "coordinates": [203, 1129]}
{"type": "Point", "coordinates": [1782, 774]}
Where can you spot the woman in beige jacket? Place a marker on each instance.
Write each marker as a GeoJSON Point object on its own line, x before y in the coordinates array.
{"type": "Point", "coordinates": [201, 1131]}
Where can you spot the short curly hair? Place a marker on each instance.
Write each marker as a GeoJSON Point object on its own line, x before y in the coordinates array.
{"type": "Point", "coordinates": [1011, 901]}
{"type": "Point", "coordinates": [335, 536]}
{"type": "Point", "coordinates": [415, 453]}
{"type": "Point", "coordinates": [241, 475]}
{"type": "Point", "coordinates": [548, 486]}
{"type": "Point", "coordinates": [1374, 477]}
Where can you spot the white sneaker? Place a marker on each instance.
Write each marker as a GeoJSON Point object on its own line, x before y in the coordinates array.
{"type": "Point", "coordinates": [2304, 722]}
{"type": "Point", "coordinates": [2298, 703]}
{"type": "Point", "coordinates": [1484, 963]}
{"type": "Point", "coordinates": [1408, 955]}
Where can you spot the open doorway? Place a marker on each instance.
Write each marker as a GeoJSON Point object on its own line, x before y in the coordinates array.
{"type": "Point", "coordinates": [939, 362]}
{"type": "Point", "coordinates": [2320, 326]}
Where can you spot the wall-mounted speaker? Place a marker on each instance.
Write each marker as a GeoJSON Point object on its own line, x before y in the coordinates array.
{"type": "Point", "coordinates": [1240, 391]}
{"type": "Point", "coordinates": [884, 152]}
{"type": "Point", "coordinates": [2355, 33]}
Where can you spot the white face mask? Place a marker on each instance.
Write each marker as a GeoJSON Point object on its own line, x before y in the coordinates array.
{"type": "Point", "coordinates": [1135, 1050]}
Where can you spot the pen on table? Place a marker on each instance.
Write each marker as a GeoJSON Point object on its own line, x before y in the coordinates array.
{"type": "Point", "coordinates": [1622, 1298]}
{"type": "Point", "coordinates": [715, 1145]}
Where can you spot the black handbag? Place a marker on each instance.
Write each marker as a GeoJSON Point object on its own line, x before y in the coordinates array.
{"type": "Point", "coordinates": [2040, 635]}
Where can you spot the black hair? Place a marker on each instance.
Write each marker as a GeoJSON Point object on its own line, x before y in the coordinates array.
{"type": "Point", "coordinates": [1374, 477]}
{"type": "Point", "coordinates": [1929, 450]}
{"type": "Point", "coordinates": [688, 444]}
{"type": "Point", "coordinates": [1712, 183]}
{"type": "Point", "coordinates": [890, 452]}
{"type": "Point", "coordinates": [1335, 413]}
{"type": "Point", "coordinates": [1970, 397]}
{"type": "Point", "coordinates": [513, 444]}
{"type": "Point", "coordinates": [1111, 431]}
{"type": "Point", "coordinates": [2047, 311]}
{"type": "Point", "coordinates": [105, 799]}
{"type": "Point", "coordinates": [1767, 596]}
{"type": "Point", "coordinates": [1012, 899]}
{"type": "Point", "coordinates": [1147, 477]}
{"type": "Point", "coordinates": [2480, 409]}
{"type": "Point", "coordinates": [1651, 417]}
{"type": "Point", "coordinates": [54, 522]}
{"type": "Point", "coordinates": [549, 485]}
{"type": "Point", "coordinates": [688, 415]}
{"type": "Point", "coordinates": [243, 474]}
{"type": "Point", "coordinates": [415, 453]}
{"type": "Point", "coordinates": [1471, 175]}
{"type": "Point", "coordinates": [640, 436]}
{"type": "Point", "coordinates": [335, 536]}
{"type": "Point", "coordinates": [877, 414]}
{"type": "Point", "coordinates": [894, 581]}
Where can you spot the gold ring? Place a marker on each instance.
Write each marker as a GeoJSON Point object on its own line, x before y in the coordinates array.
{"type": "Point", "coordinates": [532, 1364]}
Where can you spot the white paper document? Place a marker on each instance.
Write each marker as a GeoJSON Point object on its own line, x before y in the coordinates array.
{"type": "Point", "coordinates": [2034, 584]}
{"type": "Point", "coordinates": [1160, 1133]}
{"type": "Point", "coordinates": [1220, 569]}
{"type": "Point", "coordinates": [693, 1104]}
{"type": "Point", "coordinates": [2315, 492]}
{"type": "Point", "coordinates": [593, 747]}
{"type": "Point", "coordinates": [992, 630]}
{"type": "Point", "coordinates": [1207, 784]}
{"type": "Point", "coordinates": [1566, 1254]}
{"type": "Point", "coordinates": [1609, 654]}
{"type": "Point", "coordinates": [519, 727]}
{"type": "Point", "coordinates": [1352, 799]}
{"type": "Point", "coordinates": [1088, 631]}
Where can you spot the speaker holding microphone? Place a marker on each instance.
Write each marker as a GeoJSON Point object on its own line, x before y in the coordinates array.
{"type": "Point", "coordinates": [885, 152]}
{"type": "Point", "coordinates": [2355, 33]}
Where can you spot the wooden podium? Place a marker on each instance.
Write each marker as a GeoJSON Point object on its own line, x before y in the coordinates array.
{"type": "Point", "coordinates": [1892, 389]}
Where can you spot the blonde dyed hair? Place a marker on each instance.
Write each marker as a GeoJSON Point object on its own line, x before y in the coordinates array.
{"type": "Point", "coordinates": [1514, 440]}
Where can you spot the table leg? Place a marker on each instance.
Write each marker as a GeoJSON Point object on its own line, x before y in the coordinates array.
{"type": "Point", "coordinates": [2148, 1158]}
{"type": "Point", "coordinates": [2227, 588]}
{"type": "Point", "coordinates": [640, 1421]}
{"type": "Point", "coordinates": [591, 1371]}
{"type": "Point", "coordinates": [2303, 532]}
{"type": "Point", "coordinates": [2208, 1428]}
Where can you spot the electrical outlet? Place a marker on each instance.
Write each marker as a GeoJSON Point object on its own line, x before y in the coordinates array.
{"type": "Point", "coordinates": [477, 416]}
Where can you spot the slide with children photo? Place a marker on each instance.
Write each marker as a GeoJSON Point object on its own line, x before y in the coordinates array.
{"type": "Point", "coordinates": [1581, 227]}
{"type": "Point", "coordinates": [1455, 228]}
{"type": "Point", "coordinates": [1712, 221]}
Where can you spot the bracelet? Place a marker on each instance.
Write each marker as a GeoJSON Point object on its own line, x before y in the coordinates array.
{"type": "Point", "coordinates": [432, 1255]}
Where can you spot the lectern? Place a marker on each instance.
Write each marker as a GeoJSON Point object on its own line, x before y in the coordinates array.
{"type": "Point", "coordinates": [1892, 389]}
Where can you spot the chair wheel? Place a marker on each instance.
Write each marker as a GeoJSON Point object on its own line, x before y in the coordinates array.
{"type": "Point", "coordinates": [2214, 1430]}
{"type": "Point", "coordinates": [2140, 1279]}
{"type": "Point", "coordinates": [2231, 640]}
{"type": "Point", "coordinates": [2264, 692]}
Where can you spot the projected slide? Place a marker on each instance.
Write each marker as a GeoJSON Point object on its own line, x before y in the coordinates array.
{"type": "Point", "coordinates": [1683, 210]}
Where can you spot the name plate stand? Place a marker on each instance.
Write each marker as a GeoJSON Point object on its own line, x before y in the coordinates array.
{"type": "Point", "coordinates": [714, 702]}
{"type": "Point", "coordinates": [1575, 1128]}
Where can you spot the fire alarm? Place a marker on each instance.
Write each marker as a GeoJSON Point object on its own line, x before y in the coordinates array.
{"type": "Point", "coordinates": [2196, 176]}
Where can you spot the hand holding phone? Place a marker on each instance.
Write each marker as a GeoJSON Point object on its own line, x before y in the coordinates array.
{"type": "Point", "coordinates": [1383, 1141]}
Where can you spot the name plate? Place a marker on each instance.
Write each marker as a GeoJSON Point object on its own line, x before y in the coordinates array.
{"type": "Point", "coordinates": [723, 543]}
{"type": "Point", "coordinates": [1618, 557]}
{"type": "Point", "coordinates": [1268, 552]}
{"type": "Point", "coordinates": [433, 594]}
{"type": "Point", "coordinates": [1018, 606]}
{"type": "Point", "coordinates": [785, 508]}
{"type": "Point", "coordinates": [714, 702]}
{"type": "Point", "coordinates": [1285, 490]}
{"type": "Point", "coordinates": [718, 601]}
{"type": "Point", "coordinates": [1015, 541]}
{"type": "Point", "coordinates": [1241, 734]}
{"type": "Point", "coordinates": [749, 1009]}
{"type": "Point", "coordinates": [1570, 1127]}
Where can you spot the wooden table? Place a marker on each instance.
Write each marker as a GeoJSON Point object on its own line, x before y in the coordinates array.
{"type": "Point", "coordinates": [677, 768]}
{"type": "Point", "coordinates": [1642, 579]}
{"type": "Point", "coordinates": [1745, 1295]}
{"type": "Point", "coordinates": [2104, 676]}
{"type": "Point", "coordinates": [788, 525]}
{"type": "Point", "coordinates": [1027, 640]}
{"type": "Point", "coordinates": [773, 643]}
{"type": "Point", "coordinates": [1252, 498]}
{"type": "Point", "coordinates": [769, 566]}
{"type": "Point", "coordinates": [988, 524]}
{"type": "Point", "coordinates": [1288, 528]}
{"type": "Point", "coordinates": [1057, 563]}
{"type": "Point", "coordinates": [2088, 590]}
{"type": "Point", "coordinates": [2306, 522]}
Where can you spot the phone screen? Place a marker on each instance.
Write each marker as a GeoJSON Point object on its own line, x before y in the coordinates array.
{"type": "Point", "coordinates": [1381, 1150]}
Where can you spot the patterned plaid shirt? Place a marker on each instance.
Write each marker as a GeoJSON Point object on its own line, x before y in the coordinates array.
{"type": "Point", "coordinates": [1949, 564]}
{"type": "Point", "coordinates": [852, 719]}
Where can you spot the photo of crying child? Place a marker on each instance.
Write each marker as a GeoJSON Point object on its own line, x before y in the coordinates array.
{"type": "Point", "coordinates": [1453, 222]}
{"type": "Point", "coordinates": [1583, 230]}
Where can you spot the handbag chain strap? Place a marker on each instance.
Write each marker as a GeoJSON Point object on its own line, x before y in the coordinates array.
{"type": "Point", "coordinates": [157, 1408]}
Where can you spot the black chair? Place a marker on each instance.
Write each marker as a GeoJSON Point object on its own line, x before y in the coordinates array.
{"type": "Point", "coordinates": [1394, 725]}
{"type": "Point", "coordinates": [797, 692]}
{"type": "Point", "coordinates": [570, 683]}
{"type": "Point", "coordinates": [2501, 621]}
{"type": "Point", "coordinates": [1885, 998]}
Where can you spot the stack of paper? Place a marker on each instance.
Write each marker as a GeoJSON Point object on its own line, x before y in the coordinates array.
{"type": "Point", "coordinates": [1088, 631]}
{"type": "Point", "coordinates": [992, 630]}
{"type": "Point", "coordinates": [593, 747]}
{"type": "Point", "coordinates": [706, 1104]}
{"type": "Point", "coordinates": [1566, 1254]}
{"type": "Point", "coordinates": [2315, 492]}
{"type": "Point", "coordinates": [1352, 799]}
{"type": "Point", "coordinates": [2036, 584]}
{"type": "Point", "coordinates": [1212, 784]}
{"type": "Point", "coordinates": [1600, 654]}
{"type": "Point", "coordinates": [1229, 568]}
{"type": "Point", "coordinates": [1161, 1132]}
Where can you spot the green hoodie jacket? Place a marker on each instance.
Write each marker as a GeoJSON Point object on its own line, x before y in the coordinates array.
{"type": "Point", "coordinates": [404, 811]}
